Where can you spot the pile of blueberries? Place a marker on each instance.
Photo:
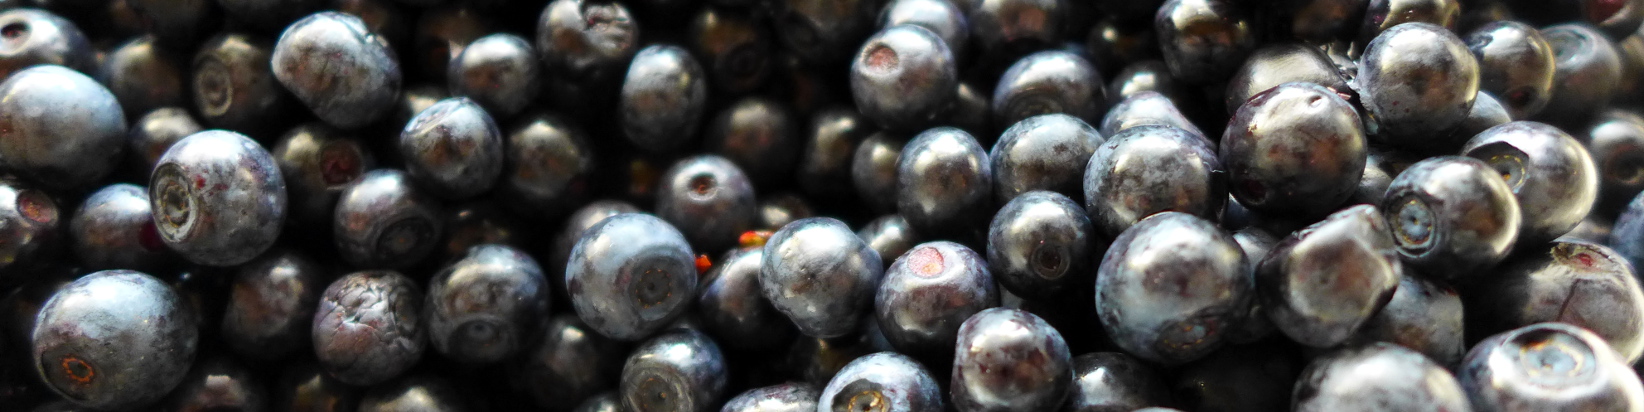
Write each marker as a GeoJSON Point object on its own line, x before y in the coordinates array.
{"type": "Point", "coordinates": [821, 205]}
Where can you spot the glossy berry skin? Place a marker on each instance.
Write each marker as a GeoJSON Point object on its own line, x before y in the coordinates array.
{"type": "Point", "coordinates": [874, 170]}
{"type": "Point", "coordinates": [733, 309]}
{"type": "Point", "coordinates": [218, 198]}
{"type": "Point", "coordinates": [709, 199]}
{"type": "Point", "coordinates": [549, 163]}
{"type": "Point", "coordinates": [1379, 376]}
{"type": "Point", "coordinates": [1143, 76]}
{"type": "Point", "coordinates": [66, 132]}
{"type": "Point", "coordinates": [1381, 15]}
{"type": "Point", "coordinates": [113, 228]}
{"type": "Point", "coordinates": [346, 74]}
{"type": "Point", "coordinates": [944, 182]}
{"type": "Point", "coordinates": [1004, 29]}
{"type": "Point", "coordinates": [630, 275]}
{"type": "Point", "coordinates": [822, 31]}
{"type": "Point", "coordinates": [385, 221]}
{"type": "Point", "coordinates": [785, 397]}
{"type": "Point", "coordinates": [234, 86]}
{"type": "Point", "coordinates": [37, 37]}
{"type": "Point", "coordinates": [943, 17]}
{"type": "Point", "coordinates": [1009, 360]}
{"type": "Point", "coordinates": [1050, 81]}
{"type": "Point", "coordinates": [903, 77]}
{"type": "Point", "coordinates": [219, 383]}
{"type": "Point", "coordinates": [271, 305]}
{"type": "Point", "coordinates": [1171, 286]}
{"type": "Point", "coordinates": [142, 76]}
{"type": "Point", "coordinates": [318, 163]}
{"type": "Point", "coordinates": [1548, 366]}
{"type": "Point", "coordinates": [1295, 148]}
{"type": "Point", "coordinates": [453, 149]}
{"type": "Point", "coordinates": [151, 134]}
{"type": "Point", "coordinates": [884, 381]}
{"type": "Point", "coordinates": [828, 150]}
{"type": "Point", "coordinates": [486, 306]}
{"type": "Point", "coordinates": [568, 363]}
{"type": "Point", "coordinates": [1324, 282]}
{"type": "Point", "coordinates": [501, 72]}
{"type": "Point", "coordinates": [114, 339]}
{"type": "Point", "coordinates": [1113, 381]}
{"type": "Point", "coordinates": [1392, 65]}
{"type": "Point", "coordinates": [681, 370]}
{"type": "Point", "coordinates": [890, 236]}
{"type": "Point", "coordinates": [1575, 282]}
{"type": "Point", "coordinates": [1203, 40]}
{"type": "Point", "coordinates": [586, 39]}
{"type": "Point", "coordinates": [735, 48]}
{"type": "Point", "coordinates": [305, 386]}
{"type": "Point", "coordinates": [780, 210]}
{"type": "Point", "coordinates": [662, 98]}
{"type": "Point", "coordinates": [1423, 315]}
{"type": "Point", "coordinates": [1147, 170]}
{"type": "Point", "coordinates": [1041, 245]}
{"type": "Point", "coordinates": [821, 275]}
{"type": "Point", "coordinates": [1516, 64]}
{"type": "Point", "coordinates": [1551, 174]}
{"type": "Point", "coordinates": [1451, 216]}
{"type": "Point", "coordinates": [1045, 152]}
{"type": "Point", "coordinates": [1256, 244]}
{"type": "Point", "coordinates": [928, 292]}
{"type": "Point", "coordinates": [1616, 19]}
{"type": "Point", "coordinates": [1147, 108]}
{"type": "Point", "coordinates": [427, 393]}
{"type": "Point", "coordinates": [1282, 63]}
{"type": "Point", "coordinates": [369, 327]}
{"type": "Point", "coordinates": [1586, 74]}
{"type": "Point", "coordinates": [1616, 143]}
{"type": "Point", "coordinates": [575, 225]}
{"type": "Point", "coordinates": [757, 134]}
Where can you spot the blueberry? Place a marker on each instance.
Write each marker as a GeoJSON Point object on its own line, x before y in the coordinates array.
{"type": "Point", "coordinates": [944, 183]}
{"type": "Point", "coordinates": [177, 22]}
{"type": "Point", "coordinates": [1416, 79]}
{"type": "Point", "coordinates": [1007, 29]}
{"type": "Point", "coordinates": [65, 131]}
{"type": "Point", "coordinates": [1578, 283]}
{"type": "Point", "coordinates": [781, 209]}
{"type": "Point", "coordinates": [709, 199]}
{"type": "Point", "coordinates": [586, 41]}
{"type": "Point", "coordinates": [1616, 144]}
{"type": "Point", "coordinates": [501, 72]}
{"type": "Point", "coordinates": [734, 310]}
{"type": "Point", "coordinates": [1548, 366]}
{"type": "Point", "coordinates": [218, 198]}
{"type": "Point", "coordinates": [1147, 108]}
{"type": "Point", "coordinates": [1549, 172]}
{"type": "Point", "coordinates": [219, 383]}
{"type": "Point", "coordinates": [1375, 377]}
{"type": "Point", "coordinates": [1009, 359]}
{"type": "Point", "coordinates": [114, 339]}
{"type": "Point", "coordinates": [113, 228]}
{"type": "Point", "coordinates": [550, 162]}
{"type": "Point", "coordinates": [453, 149]}
{"type": "Point", "coordinates": [1322, 21]}
{"type": "Point", "coordinates": [441, 32]}
{"type": "Point", "coordinates": [369, 327]}
{"type": "Point", "coordinates": [334, 64]}
{"type": "Point", "coordinates": [484, 307]}
{"type": "Point", "coordinates": [427, 393]}
{"type": "Point", "coordinates": [605, 402]}
{"type": "Point", "coordinates": [1279, 64]}
{"type": "Point", "coordinates": [1295, 148]}
{"type": "Point", "coordinates": [942, 17]}
{"type": "Point", "coordinates": [1041, 245]}
{"type": "Point", "coordinates": [271, 305]}
{"type": "Point", "coordinates": [1515, 63]}
{"type": "Point", "coordinates": [477, 223]}
{"type": "Point", "coordinates": [1487, 112]}
{"type": "Point", "coordinates": [318, 162]}
{"type": "Point", "coordinates": [567, 364]}
{"type": "Point", "coordinates": [1143, 76]}
{"type": "Point", "coordinates": [1615, 18]}
{"type": "Point", "coordinates": [383, 221]}
{"type": "Point", "coordinates": [928, 292]}
{"type": "Point", "coordinates": [1256, 243]}
{"type": "Point", "coordinates": [970, 110]}
{"type": "Point", "coordinates": [735, 48]}
{"type": "Point", "coordinates": [1113, 381]}
{"type": "Point", "coordinates": [153, 133]}
{"type": "Point", "coordinates": [874, 171]}
{"type": "Point", "coordinates": [1423, 315]}
{"type": "Point", "coordinates": [578, 222]}
{"type": "Point", "coordinates": [1171, 287]}
{"type": "Point", "coordinates": [822, 31]}
{"type": "Point", "coordinates": [682, 370]}
{"type": "Point", "coordinates": [818, 361]}
{"type": "Point", "coordinates": [828, 151]}
{"type": "Point", "coordinates": [884, 381]}
{"type": "Point", "coordinates": [890, 236]}
{"type": "Point", "coordinates": [234, 86]}
{"type": "Point", "coordinates": [38, 37]}
{"type": "Point", "coordinates": [903, 77]}
{"type": "Point", "coordinates": [662, 98]}
{"type": "Point", "coordinates": [758, 135]}
{"type": "Point", "coordinates": [1381, 15]}
{"type": "Point", "coordinates": [630, 275]}
{"type": "Point", "coordinates": [1587, 71]}
{"type": "Point", "coordinates": [1203, 40]}
{"type": "Point", "coordinates": [306, 386]}
{"type": "Point", "coordinates": [1044, 152]}
{"type": "Point", "coordinates": [821, 275]}
{"type": "Point", "coordinates": [785, 397]}
{"type": "Point", "coordinates": [1115, 42]}
{"type": "Point", "coordinates": [1145, 170]}
{"type": "Point", "coordinates": [142, 76]}
{"type": "Point", "coordinates": [1047, 82]}
{"type": "Point", "coordinates": [1451, 216]}
{"type": "Point", "coordinates": [1324, 282]}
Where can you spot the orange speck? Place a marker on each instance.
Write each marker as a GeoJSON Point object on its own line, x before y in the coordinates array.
{"type": "Point", "coordinates": [703, 263]}
{"type": "Point", "coordinates": [754, 238]}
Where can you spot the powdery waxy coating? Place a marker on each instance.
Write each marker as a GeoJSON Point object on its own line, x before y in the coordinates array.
{"type": "Point", "coordinates": [1009, 360]}
{"type": "Point", "coordinates": [630, 275]}
{"type": "Point", "coordinates": [1051, 81]}
{"type": "Point", "coordinates": [1150, 169]}
{"type": "Point", "coordinates": [1548, 367]}
{"type": "Point", "coordinates": [662, 98]}
{"type": "Point", "coordinates": [1423, 315]}
{"type": "Point", "coordinates": [113, 228]}
{"type": "Point", "coordinates": [882, 382]}
{"type": "Point", "coordinates": [903, 77]}
{"type": "Point", "coordinates": [500, 71]}
{"type": "Point", "coordinates": [734, 310]}
{"type": "Point", "coordinates": [570, 362]}
{"type": "Point", "coordinates": [383, 221]}
{"type": "Point", "coordinates": [1147, 108]}
{"type": "Point", "coordinates": [1451, 216]}
{"type": "Point", "coordinates": [453, 149]}
{"type": "Point", "coordinates": [1041, 245]}
{"type": "Point", "coordinates": [1516, 64]}
{"type": "Point", "coordinates": [368, 328]}
{"type": "Point", "coordinates": [1172, 287]}
{"type": "Point", "coordinates": [707, 198]}
{"type": "Point", "coordinates": [677, 371]}
{"type": "Point", "coordinates": [945, 18]}
{"type": "Point", "coordinates": [1295, 148]}
{"type": "Point", "coordinates": [114, 339]}
{"type": "Point", "coordinates": [1322, 283]}
{"type": "Point", "coordinates": [271, 305]}
{"type": "Point", "coordinates": [821, 275]}
{"type": "Point", "coordinates": [218, 198]}
{"type": "Point", "coordinates": [1416, 79]}
{"type": "Point", "coordinates": [928, 292]}
{"type": "Point", "coordinates": [319, 162]}
{"type": "Point", "coordinates": [486, 307]}
{"type": "Point", "coordinates": [346, 74]}
{"type": "Point", "coordinates": [1378, 377]}
{"type": "Point", "coordinates": [1113, 381]}
{"type": "Point", "coordinates": [1570, 281]}
{"type": "Point", "coordinates": [60, 128]}
{"type": "Point", "coordinates": [1044, 152]}
{"type": "Point", "coordinates": [944, 182]}
{"type": "Point", "coordinates": [234, 86]}
{"type": "Point", "coordinates": [785, 397]}
{"type": "Point", "coordinates": [1203, 40]}
{"type": "Point", "coordinates": [1550, 173]}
